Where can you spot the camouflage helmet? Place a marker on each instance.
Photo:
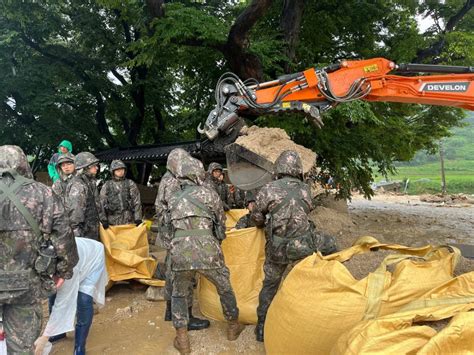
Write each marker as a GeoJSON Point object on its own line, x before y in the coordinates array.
{"type": "Point", "coordinates": [214, 166]}
{"type": "Point", "coordinates": [117, 164]}
{"type": "Point", "coordinates": [12, 157]}
{"type": "Point", "coordinates": [174, 159]}
{"type": "Point", "coordinates": [289, 163]}
{"type": "Point", "coordinates": [191, 169]}
{"type": "Point", "coordinates": [249, 197]}
{"type": "Point", "coordinates": [85, 159]}
{"type": "Point", "coordinates": [66, 158]}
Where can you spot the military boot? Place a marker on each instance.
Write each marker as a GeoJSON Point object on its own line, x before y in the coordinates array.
{"type": "Point", "coordinates": [168, 311]}
{"type": "Point", "coordinates": [259, 331]}
{"type": "Point", "coordinates": [181, 342]}
{"type": "Point", "coordinates": [234, 329]}
{"type": "Point", "coordinates": [196, 323]}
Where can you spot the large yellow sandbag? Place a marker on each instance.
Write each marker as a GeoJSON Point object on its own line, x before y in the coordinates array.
{"type": "Point", "coordinates": [456, 338]}
{"type": "Point", "coordinates": [397, 334]}
{"type": "Point", "coordinates": [126, 252]}
{"type": "Point", "coordinates": [244, 253]}
{"type": "Point", "coordinates": [244, 256]}
{"type": "Point", "coordinates": [233, 216]}
{"type": "Point", "coordinates": [320, 299]}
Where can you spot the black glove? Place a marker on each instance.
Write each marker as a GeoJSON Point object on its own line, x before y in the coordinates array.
{"type": "Point", "coordinates": [138, 222]}
{"type": "Point", "coordinates": [105, 225]}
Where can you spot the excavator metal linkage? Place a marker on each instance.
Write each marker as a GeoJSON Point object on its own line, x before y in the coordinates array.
{"type": "Point", "coordinates": [315, 91]}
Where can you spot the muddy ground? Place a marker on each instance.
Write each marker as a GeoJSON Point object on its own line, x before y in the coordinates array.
{"type": "Point", "coordinates": [129, 324]}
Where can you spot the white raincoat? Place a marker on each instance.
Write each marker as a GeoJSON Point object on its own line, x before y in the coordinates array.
{"type": "Point", "coordinates": [90, 277]}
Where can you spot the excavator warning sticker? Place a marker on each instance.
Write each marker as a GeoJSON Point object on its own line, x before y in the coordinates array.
{"type": "Point", "coordinates": [371, 68]}
{"type": "Point", "coordinates": [446, 87]}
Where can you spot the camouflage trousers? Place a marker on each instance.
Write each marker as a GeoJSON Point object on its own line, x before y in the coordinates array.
{"type": "Point", "coordinates": [22, 326]}
{"type": "Point", "coordinates": [273, 276]}
{"type": "Point", "coordinates": [169, 282]}
{"type": "Point", "coordinates": [181, 283]}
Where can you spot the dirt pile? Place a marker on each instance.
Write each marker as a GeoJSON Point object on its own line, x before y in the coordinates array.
{"type": "Point", "coordinates": [448, 199]}
{"type": "Point", "coordinates": [437, 325]}
{"type": "Point", "coordinates": [464, 265]}
{"type": "Point", "coordinates": [271, 142]}
{"type": "Point", "coordinates": [361, 265]}
{"type": "Point", "coordinates": [335, 223]}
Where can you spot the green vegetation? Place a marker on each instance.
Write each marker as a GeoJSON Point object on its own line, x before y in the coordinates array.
{"type": "Point", "coordinates": [424, 170]}
{"type": "Point", "coordinates": [109, 73]}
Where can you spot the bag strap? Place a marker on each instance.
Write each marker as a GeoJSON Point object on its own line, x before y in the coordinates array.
{"type": "Point", "coordinates": [195, 202]}
{"type": "Point", "coordinates": [377, 280]}
{"type": "Point", "coordinates": [9, 192]}
{"type": "Point", "coordinates": [294, 193]}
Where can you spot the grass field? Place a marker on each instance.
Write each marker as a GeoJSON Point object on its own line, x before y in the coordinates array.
{"type": "Point", "coordinates": [426, 178]}
{"type": "Point", "coordinates": [459, 164]}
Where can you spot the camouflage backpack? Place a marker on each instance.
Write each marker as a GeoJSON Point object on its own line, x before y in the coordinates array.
{"type": "Point", "coordinates": [45, 263]}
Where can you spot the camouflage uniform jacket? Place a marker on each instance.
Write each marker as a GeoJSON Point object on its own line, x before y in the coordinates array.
{"type": "Point", "coordinates": [82, 199]}
{"type": "Point", "coordinates": [237, 199]}
{"type": "Point", "coordinates": [168, 185]}
{"type": "Point", "coordinates": [120, 201]}
{"type": "Point", "coordinates": [221, 188]}
{"type": "Point", "coordinates": [19, 243]}
{"type": "Point", "coordinates": [290, 220]}
{"type": "Point", "coordinates": [60, 186]}
{"type": "Point", "coordinates": [197, 217]}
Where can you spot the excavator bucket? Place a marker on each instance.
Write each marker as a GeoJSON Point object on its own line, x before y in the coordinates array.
{"type": "Point", "coordinates": [247, 170]}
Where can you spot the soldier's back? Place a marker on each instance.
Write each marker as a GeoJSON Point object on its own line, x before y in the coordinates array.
{"type": "Point", "coordinates": [288, 200]}
{"type": "Point", "coordinates": [18, 240]}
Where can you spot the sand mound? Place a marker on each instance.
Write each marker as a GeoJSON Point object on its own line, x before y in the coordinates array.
{"type": "Point", "coordinates": [361, 265]}
{"type": "Point", "coordinates": [464, 265]}
{"type": "Point", "coordinates": [448, 199]}
{"type": "Point", "coordinates": [271, 142]}
{"type": "Point", "coordinates": [335, 223]}
{"type": "Point", "coordinates": [437, 325]}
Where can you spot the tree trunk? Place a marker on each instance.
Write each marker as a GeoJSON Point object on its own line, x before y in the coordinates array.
{"type": "Point", "coordinates": [437, 47]}
{"type": "Point", "coordinates": [443, 175]}
{"type": "Point", "coordinates": [290, 24]}
{"type": "Point", "coordinates": [160, 123]}
{"type": "Point", "coordinates": [245, 65]}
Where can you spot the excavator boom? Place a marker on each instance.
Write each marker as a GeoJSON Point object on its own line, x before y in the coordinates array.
{"type": "Point", "coordinates": [314, 91]}
{"type": "Point", "coordinates": [369, 80]}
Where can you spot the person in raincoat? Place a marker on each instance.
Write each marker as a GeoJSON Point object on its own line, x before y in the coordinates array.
{"type": "Point", "coordinates": [75, 298]}
{"type": "Point", "coordinates": [64, 147]}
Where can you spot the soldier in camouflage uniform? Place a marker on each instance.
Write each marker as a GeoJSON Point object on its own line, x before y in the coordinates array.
{"type": "Point", "coordinates": [283, 206]}
{"type": "Point", "coordinates": [215, 181]}
{"type": "Point", "coordinates": [246, 221]}
{"type": "Point", "coordinates": [237, 197]}
{"type": "Point", "coordinates": [120, 198]}
{"type": "Point", "coordinates": [169, 184]}
{"type": "Point", "coordinates": [198, 222]}
{"type": "Point", "coordinates": [82, 198]}
{"type": "Point", "coordinates": [66, 171]}
{"type": "Point", "coordinates": [31, 214]}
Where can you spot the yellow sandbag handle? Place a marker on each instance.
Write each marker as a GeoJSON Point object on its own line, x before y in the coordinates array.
{"type": "Point", "coordinates": [376, 281]}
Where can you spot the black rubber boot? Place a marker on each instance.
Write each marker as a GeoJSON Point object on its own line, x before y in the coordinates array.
{"type": "Point", "coordinates": [168, 311]}
{"type": "Point", "coordinates": [259, 331]}
{"type": "Point", "coordinates": [196, 323]}
{"type": "Point", "coordinates": [55, 338]}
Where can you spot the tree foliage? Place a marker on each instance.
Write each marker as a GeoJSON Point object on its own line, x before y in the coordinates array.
{"type": "Point", "coordinates": [107, 73]}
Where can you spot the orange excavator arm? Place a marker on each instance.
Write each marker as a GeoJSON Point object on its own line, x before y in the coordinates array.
{"type": "Point", "coordinates": [317, 90]}
{"type": "Point", "coordinates": [376, 85]}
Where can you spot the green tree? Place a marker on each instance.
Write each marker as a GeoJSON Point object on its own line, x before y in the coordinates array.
{"type": "Point", "coordinates": [107, 73]}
